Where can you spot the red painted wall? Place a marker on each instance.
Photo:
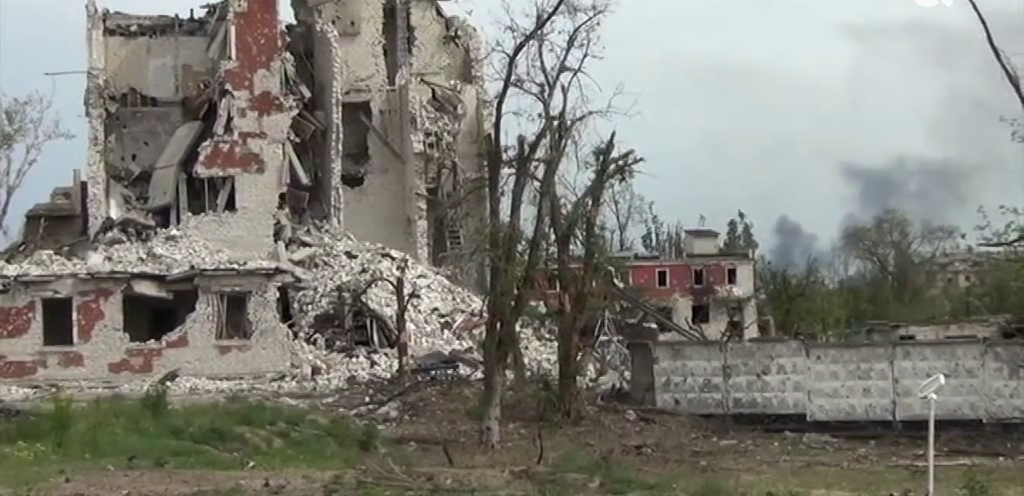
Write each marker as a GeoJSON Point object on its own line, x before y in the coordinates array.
{"type": "Point", "coordinates": [257, 45]}
{"type": "Point", "coordinates": [644, 278]}
{"type": "Point", "coordinates": [16, 322]}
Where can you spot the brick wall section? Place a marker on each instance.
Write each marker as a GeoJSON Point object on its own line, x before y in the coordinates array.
{"type": "Point", "coordinates": [257, 46]}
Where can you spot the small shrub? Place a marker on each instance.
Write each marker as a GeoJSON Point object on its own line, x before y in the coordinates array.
{"type": "Point", "coordinates": [369, 438]}
{"type": "Point", "coordinates": [154, 402]}
{"type": "Point", "coordinates": [60, 420]}
{"type": "Point", "coordinates": [974, 485]}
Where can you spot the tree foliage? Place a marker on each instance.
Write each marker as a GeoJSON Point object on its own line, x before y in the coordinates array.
{"type": "Point", "coordinates": [887, 268]}
{"type": "Point", "coordinates": [661, 237]}
{"type": "Point", "coordinates": [739, 234]}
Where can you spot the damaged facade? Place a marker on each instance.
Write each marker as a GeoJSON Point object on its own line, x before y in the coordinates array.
{"type": "Point", "coordinates": [709, 293]}
{"type": "Point", "coordinates": [224, 130]}
{"type": "Point", "coordinates": [709, 288]}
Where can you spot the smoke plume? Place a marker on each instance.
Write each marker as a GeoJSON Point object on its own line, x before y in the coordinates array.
{"type": "Point", "coordinates": [793, 245]}
{"type": "Point", "coordinates": [934, 190]}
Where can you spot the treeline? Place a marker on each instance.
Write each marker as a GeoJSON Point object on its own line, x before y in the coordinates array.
{"type": "Point", "coordinates": [892, 268]}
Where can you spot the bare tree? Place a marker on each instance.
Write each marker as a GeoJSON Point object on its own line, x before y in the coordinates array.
{"type": "Point", "coordinates": [576, 228]}
{"type": "Point", "coordinates": [540, 89]}
{"type": "Point", "coordinates": [626, 208]}
{"type": "Point", "coordinates": [1002, 59]}
{"type": "Point", "coordinates": [27, 125]}
{"type": "Point", "coordinates": [403, 298]}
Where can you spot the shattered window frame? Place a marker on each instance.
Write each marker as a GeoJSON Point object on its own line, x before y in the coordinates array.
{"type": "Point", "coordinates": [230, 325]}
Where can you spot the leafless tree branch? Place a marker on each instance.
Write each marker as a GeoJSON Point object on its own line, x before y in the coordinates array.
{"type": "Point", "coordinates": [27, 125]}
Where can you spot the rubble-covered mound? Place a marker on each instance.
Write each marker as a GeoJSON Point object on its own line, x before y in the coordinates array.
{"type": "Point", "coordinates": [442, 317]}
{"type": "Point", "coordinates": [169, 251]}
{"type": "Point", "coordinates": [445, 322]}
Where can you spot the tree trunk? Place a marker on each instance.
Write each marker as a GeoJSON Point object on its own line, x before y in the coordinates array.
{"type": "Point", "coordinates": [400, 324]}
{"type": "Point", "coordinates": [568, 368]}
{"type": "Point", "coordinates": [518, 361]}
{"type": "Point", "coordinates": [494, 378]}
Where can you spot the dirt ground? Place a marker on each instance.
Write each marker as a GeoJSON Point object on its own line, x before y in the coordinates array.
{"type": "Point", "coordinates": [430, 448]}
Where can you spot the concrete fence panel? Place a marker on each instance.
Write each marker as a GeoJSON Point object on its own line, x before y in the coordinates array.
{"type": "Point", "coordinates": [962, 363]}
{"type": "Point", "coordinates": [691, 378]}
{"type": "Point", "coordinates": [840, 382]}
{"type": "Point", "coordinates": [849, 382]}
{"type": "Point", "coordinates": [766, 378]}
{"type": "Point", "coordinates": [1004, 381]}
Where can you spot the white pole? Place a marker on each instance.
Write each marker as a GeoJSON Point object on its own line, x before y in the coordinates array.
{"type": "Point", "coordinates": [931, 444]}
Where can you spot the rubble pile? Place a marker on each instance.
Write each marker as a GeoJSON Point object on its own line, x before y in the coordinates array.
{"type": "Point", "coordinates": [444, 320]}
{"type": "Point", "coordinates": [442, 317]}
{"type": "Point", "coordinates": [169, 251]}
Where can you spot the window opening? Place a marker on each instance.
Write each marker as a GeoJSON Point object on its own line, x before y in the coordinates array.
{"type": "Point", "coordinates": [662, 278]}
{"type": "Point", "coordinates": [150, 318]}
{"type": "Point", "coordinates": [700, 314]}
{"type": "Point", "coordinates": [58, 322]}
{"type": "Point", "coordinates": [233, 316]}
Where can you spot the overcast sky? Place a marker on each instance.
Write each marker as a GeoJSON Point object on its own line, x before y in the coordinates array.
{"type": "Point", "coordinates": [800, 108]}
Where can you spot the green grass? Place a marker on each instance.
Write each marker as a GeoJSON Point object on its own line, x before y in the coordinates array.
{"type": "Point", "coordinates": [149, 433]}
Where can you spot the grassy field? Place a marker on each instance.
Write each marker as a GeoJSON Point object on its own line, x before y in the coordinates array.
{"type": "Point", "coordinates": [238, 447]}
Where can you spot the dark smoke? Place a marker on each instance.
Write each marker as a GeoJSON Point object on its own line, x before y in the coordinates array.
{"type": "Point", "coordinates": [793, 245]}
{"type": "Point", "coordinates": [925, 189]}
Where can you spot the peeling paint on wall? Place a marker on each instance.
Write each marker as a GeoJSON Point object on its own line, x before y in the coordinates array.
{"type": "Point", "coordinates": [89, 312]}
{"type": "Point", "coordinates": [16, 321]}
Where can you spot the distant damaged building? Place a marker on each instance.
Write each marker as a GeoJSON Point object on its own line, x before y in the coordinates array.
{"type": "Point", "coordinates": [216, 142]}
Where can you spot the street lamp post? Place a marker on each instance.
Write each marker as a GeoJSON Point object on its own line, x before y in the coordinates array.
{"type": "Point", "coordinates": [927, 391]}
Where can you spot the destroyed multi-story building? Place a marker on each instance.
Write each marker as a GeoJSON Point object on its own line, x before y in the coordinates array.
{"type": "Point", "coordinates": [214, 141]}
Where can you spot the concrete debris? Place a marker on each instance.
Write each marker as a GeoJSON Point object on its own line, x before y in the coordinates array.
{"type": "Point", "coordinates": [169, 251]}
{"type": "Point", "coordinates": [334, 270]}
{"type": "Point", "coordinates": [443, 317]}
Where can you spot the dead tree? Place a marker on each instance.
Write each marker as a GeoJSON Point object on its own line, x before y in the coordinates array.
{"type": "Point", "coordinates": [626, 208]}
{"type": "Point", "coordinates": [576, 228]}
{"type": "Point", "coordinates": [540, 59]}
{"type": "Point", "coordinates": [1013, 80]}
{"type": "Point", "coordinates": [403, 298]}
{"type": "Point", "coordinates": [27, 125]}
{"type": "Point", "coordinates": [1002, 59]}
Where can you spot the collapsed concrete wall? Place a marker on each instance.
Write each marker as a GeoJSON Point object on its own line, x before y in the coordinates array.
{"type": "Point", "coordinates": [401, 103]}
{"type": "Point", "coordinates": [359, 117]}
{"type": "Point", "coordinates": [116, 326]}
{"type": "Point", "coordinates": [188, 122]}
{"type": "Point", "coordinates": [830, 381]}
